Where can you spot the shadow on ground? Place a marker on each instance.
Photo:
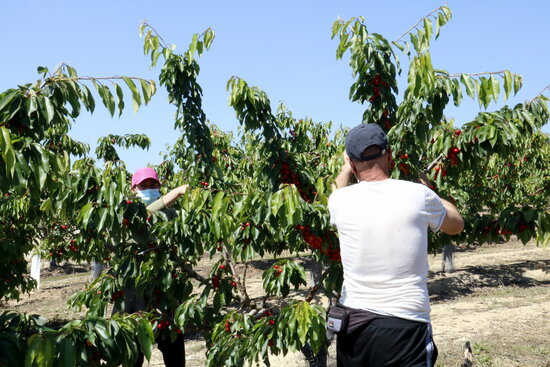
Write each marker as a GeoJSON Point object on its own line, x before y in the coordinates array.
{"type": "Point", "coordinates": [465, 281]}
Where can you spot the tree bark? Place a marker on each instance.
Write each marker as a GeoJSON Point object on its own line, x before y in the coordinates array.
{"type": "Point", "coordinates": [448, 261]}
{"type": "Point", "coordinates": [97, 269]}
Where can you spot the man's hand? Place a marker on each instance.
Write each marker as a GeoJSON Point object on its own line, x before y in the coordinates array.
{"type": "Point", "coordinates": [424, 180]}
{"type": "Point", "coordinates": [345, 174]}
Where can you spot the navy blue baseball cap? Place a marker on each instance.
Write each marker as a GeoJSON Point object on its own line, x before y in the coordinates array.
{"type": "Point", "coordinates": [363, 136]}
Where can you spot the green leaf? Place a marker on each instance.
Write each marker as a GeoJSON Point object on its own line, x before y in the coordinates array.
{"type": "Point", "coordinates": [7, 98]}
{"type": "Point", "coordinates": [438, 23]}
{"type": "Point", "coordinates": [145, 337]}
{"type": "Point", "coordinates": [103, 213]}
{"type": "Point", "coordinates": [67, 353]}
{"type": "Point", "coordinates": [32, 350]}
{"type": "Point", "coordinates": [217, 204]}
{"type": "Point", "coordinates": [120, 97]}
{"type": "Point", "coordinates": [42, 70]}
{"type": "Point", "coordinates": [146, 91]}
{"type": "Point", "coordinates": [72, 72]}
{"type": "Point", "coordinates": [47, 109]}
{"type": "Point", "coordinates": [469, 85]}
{"type": "Point", "coordinates": [517, 83]}
{"type": "Point", "coordinates": [44, 355]}
{"type": "Point", "coordinates": [507, 84]}
{"type": "Point", "coordinates": [495, 85]}
{"type": "Point", "coordinates": [528, 117]}
{"type": "Point", "coordinates": [428, 28]}
{"type": "Point", "coordinates": [88, 99]}
{"type": "Point", "coordinates": [46, 205]}
{"type": "Point", "coordinates": [136, 98]}
{"type": "Point", "coordinates": [7, 151]}
{"type": "Point", "coordinates": [414, 41]}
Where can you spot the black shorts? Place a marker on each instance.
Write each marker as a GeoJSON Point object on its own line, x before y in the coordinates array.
{"type": "Point", "coordinates": [389, 342]}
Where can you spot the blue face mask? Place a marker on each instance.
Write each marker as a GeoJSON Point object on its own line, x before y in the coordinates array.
{"type": "Point", "coordinates": [148, 196]}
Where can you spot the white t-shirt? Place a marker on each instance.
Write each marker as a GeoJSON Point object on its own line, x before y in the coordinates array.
{"type": "Point", "coordinates": [383, 230]}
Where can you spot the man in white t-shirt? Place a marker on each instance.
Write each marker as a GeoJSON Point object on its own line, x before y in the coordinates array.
{"type": "Point", "coordinates": [383, 228]}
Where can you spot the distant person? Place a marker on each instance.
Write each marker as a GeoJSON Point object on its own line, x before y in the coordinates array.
{"type": "Point", "coordinates": [383, 229]}
{"type": "Point", "coordinates": [146, 186]}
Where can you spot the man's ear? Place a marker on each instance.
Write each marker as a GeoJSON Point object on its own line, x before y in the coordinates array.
{"type": "Point", "coordinates": [353, 169]}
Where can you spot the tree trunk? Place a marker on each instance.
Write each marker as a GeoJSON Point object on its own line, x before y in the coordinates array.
{"type": "Point", "coordinates": [97, 269]}
{"type": "Point", "coordinates": [448, 262]}
{"type": "Point", "coordinates": [316, 272]}
{"type": "Point", "coordinates": [53, 264]}
{"type": "Point", "coordinates": [35, 269]}
{"type": "Point", "coordinates": [315, 360]}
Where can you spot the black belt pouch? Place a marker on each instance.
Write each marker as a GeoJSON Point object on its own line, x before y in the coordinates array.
{"type": "Point", "coordinates": [338, 318]}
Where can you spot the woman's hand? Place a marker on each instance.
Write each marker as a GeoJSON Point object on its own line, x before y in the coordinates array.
{"type": "Point", "coordinates": [174, 194]}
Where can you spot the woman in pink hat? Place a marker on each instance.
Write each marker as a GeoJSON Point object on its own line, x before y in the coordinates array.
{"type": "Point", "coordinates": [146, 185]}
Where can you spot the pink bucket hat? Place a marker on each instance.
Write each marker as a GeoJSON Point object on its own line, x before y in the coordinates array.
{"type": "Point", "coordinates": [143, 174]}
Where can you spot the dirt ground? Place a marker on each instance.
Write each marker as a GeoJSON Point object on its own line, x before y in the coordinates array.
{"type": "Point", "coordinates": [498, 299]}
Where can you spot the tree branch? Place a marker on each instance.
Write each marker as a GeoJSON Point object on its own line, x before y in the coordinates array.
{"type": "Point", "coordinates": [416, 25]}
{"type": "Point", "coordinates": [435, 161]}
{"type": "Point", "coordinates": [540, 93]}
{"type": "Point", "coordinates": [157, 34]}
{"type": "Point", "coordinates": [241, 290]}
{"type": "Point", "coordinates": [316, 287]}
{"type": "Point", "coordinates": [476, 74]}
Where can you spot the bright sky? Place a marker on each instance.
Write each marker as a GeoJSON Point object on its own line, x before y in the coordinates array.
{"type": "Point", "coordinates": [284, 47]}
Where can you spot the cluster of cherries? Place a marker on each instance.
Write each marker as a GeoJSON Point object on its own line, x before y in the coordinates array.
{"type": "Point", "coordinates": [452, 155]}
{"type": "Point", "coordinates": [290, 177]}
{"type": "Point", "coordinates": [377, 81]}
{"type": "Point", "coordinates": [316, 242]}
{"type": "Point", "coordinates": [116, 296]}
{"type": "Point", "coordinates": [277, 270]}
{"type": "Point", "coordinates": [216, 282]}
{"type": "Point", "coordinates": [72, 246]}
{"type": "Point", "coordinates": [495, 228]}
{"type": "Point", "coordinates": [403, 167]}
{"type": "Point", "coordinates": [442, 170]}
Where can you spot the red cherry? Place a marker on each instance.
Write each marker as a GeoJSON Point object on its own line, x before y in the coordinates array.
{"type": "Point", "coordinates": [271, 322]}
{"type": "Point", "coordinates": [215, 281]}
{"type": "Point", "coordinates": [458, 132]}
{"type": "Point", "coordinates": [404, 156]}
{"type": "Point", "coordinates": [222, 267]}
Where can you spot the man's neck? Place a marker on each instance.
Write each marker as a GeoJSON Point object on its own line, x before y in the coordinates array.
{"type": "Point", "coordinates": [373, 175]}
